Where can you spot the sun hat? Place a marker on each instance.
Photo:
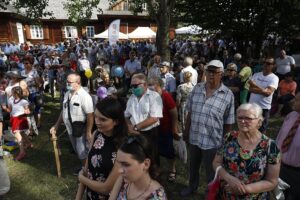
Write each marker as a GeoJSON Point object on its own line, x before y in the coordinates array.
{"type": "Point", "coordinates": [215, 63]}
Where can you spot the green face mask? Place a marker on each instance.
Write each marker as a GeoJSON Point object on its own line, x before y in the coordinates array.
{"type": "Point", "coordinates": [138, 91]}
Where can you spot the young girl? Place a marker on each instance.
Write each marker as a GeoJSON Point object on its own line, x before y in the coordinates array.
{"type": "Point", "coordinates": [18, 108]}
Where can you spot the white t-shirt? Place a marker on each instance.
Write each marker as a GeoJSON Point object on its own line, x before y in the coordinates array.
{"type": "Point", "coordinates": [194, 78]}
{"type": "Point", "coordinates": [17, 107]}
{"type": "Point", "coordinates": [262, 81]}
{"type": "Point", "coordinates": [284, 65]}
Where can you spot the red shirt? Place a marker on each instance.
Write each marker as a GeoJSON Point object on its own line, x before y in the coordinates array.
{"type": "Point", "coordinates": [166, 120]}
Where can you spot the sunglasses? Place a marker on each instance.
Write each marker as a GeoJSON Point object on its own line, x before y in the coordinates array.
{"type": "Point", "coordinates": [135, 85]}
{"type": "Point", "coordinates": [269, 63]}
{"type": "Point", "coordinates": [134, 139]}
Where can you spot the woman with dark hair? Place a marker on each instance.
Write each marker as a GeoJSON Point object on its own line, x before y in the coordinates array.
{"type": "Point", "coordinates": [101, 171]}
{"type": "Point", "coordinates": [137, 168]}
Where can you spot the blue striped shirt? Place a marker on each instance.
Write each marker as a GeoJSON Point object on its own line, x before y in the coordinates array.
{"type": "Point", "coordinates": [208, 115]}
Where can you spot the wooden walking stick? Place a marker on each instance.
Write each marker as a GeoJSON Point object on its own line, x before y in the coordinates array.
{"type": "Point", "coordinates": [56, 153]}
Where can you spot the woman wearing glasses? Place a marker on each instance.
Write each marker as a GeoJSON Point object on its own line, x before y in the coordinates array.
{"type": "Point", "coordinates": [137, 169]}
{"type": "Point", "coordinates": [101, 171]}
{"type": "Point", "coordinates": [248, 160]}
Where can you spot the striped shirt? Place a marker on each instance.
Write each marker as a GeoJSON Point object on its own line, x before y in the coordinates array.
{"type": "Point", "coordinates": [208, 115]}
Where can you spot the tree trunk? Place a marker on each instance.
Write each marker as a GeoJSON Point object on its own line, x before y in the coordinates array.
{"type": "Point", "coordinates": [162, 35]}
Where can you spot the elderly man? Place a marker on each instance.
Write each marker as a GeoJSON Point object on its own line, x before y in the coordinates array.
{"type": "Point", "coordinates": [210, 109]}
{"type": "Point", "coordinates": [168, 79]}
{"type": "Point", "coordinates": [77, 115]}
{"type": "Point", "coordinates": [262, 87]}
{"type": "Point", "coordinates": [187, 64]}
{"type": "Point", "coordinates": [131, 66]}
{"type": "Point", "coordinates": [143, 111]}
{"type": "Point", "coordinates": [284, 64]}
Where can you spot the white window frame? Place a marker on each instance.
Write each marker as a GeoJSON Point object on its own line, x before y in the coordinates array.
{"type": "Point", "coordinates": [90, 31]}
{"type": "Point", "coordinates": [72, 32]}
{"type": "Point", "coordinates": [144, 6]}
{"type": "Point", "coordinates": [36, 32]}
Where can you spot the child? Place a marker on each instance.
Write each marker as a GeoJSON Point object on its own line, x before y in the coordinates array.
{"type": "Point", "coordinates": [19, 108]}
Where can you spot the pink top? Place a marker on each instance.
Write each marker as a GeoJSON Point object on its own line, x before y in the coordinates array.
{"type": "Point", "coordinates": [291, 157]}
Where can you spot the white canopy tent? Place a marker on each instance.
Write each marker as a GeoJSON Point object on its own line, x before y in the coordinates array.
{"type": "Point", "coordinates": [104, 35]}
{"type": "Point", "coordinates": [192, 30]}
{"type": "Point", "coordinates": [142, 33]}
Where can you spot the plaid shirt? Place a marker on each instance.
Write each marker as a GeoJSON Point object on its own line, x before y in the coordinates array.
{"type": "Point", "coordinates": [209, 115]}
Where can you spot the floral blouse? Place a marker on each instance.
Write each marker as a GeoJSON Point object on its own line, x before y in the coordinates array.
{"type": "Point", "coordinates": [247, 166]}
{"type": "Point", "coordinates": [158, 194]}
{"type": "Point", "coordinates": [101, 159]}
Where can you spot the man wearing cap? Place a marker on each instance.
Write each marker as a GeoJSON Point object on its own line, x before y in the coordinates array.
{"type": "Point", "coordinates": [262, 87]}
{"type": "Point", "coordinates": [168, 78]}
{"type": "Point", "coordinates": [210, 108]}
{"type": "Point", "coordinates": [77, 107]}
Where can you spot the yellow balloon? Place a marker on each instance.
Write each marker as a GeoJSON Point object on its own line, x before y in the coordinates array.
{"type": "Point", "coordinates": [88, 73]}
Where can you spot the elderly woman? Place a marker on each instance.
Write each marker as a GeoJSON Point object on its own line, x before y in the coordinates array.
{"type": "Point", "coordinates": [288, 141]}
{"type": "Point", "coordinates": [248, 160]}
{"type": "Point", "coordinates": [183, 90]}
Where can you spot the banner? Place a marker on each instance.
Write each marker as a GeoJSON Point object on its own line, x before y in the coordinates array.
{"type": "Point", "coordinates": [113, 32]}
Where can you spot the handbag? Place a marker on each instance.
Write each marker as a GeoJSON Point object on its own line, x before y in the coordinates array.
{"type": "Point", "coordinates": [78, 127]}
{"type": "Point", "coordinates": [180, 149]}
{"type": "Point", "coordinates": [214, 186]}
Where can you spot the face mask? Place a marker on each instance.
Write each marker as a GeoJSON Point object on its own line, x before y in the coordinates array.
{"type": "Point", "coordinates": [138, 91]}
{"type": "Point", "coordinates": [69, 88]}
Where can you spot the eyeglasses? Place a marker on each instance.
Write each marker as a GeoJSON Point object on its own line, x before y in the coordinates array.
{"type": "Point", "coordinates": [230, 70]}
{"type": "Point", "coordinates": [70, 82]}
{"type": "Point", "coordinates": [134, 139]}
{"type": "Point", "coordinates": [269, 63]}
{"type": "Point", "coordinates": [213, 71]}
{"type": "Point", "coordinates": [246, 119]}
{"type": "Point", "coordinates": [135, 85]}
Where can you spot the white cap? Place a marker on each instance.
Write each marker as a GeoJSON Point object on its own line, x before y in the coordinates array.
{"type": "Point", "coordinates": [215, 63]}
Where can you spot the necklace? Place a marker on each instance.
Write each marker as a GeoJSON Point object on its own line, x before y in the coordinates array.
{"type": "Point", "coordinates": [146, 189]}
{"type": "Point", "coordinates": [17, 101]}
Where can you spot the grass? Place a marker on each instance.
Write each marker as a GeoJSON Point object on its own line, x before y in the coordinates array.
{"type": "Point", "coordinates": [35, 177]}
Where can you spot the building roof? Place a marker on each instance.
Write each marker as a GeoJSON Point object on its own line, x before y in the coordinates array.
{"type": "Point", "coordinates": [56, 6]}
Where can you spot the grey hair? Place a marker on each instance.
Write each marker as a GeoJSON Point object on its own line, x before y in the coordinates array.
{"type": "Point", "coordinates": [140, 76]}
{"type": "Point", "coordinates": [188, 61]}
{"type": "Point", "coordinates": [253, 107]}
{"type": "Point", "coordinates": [156, 81]}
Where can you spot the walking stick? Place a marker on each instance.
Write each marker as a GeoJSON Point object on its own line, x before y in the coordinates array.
{"type": "Point", "coordinates": [56, 153]}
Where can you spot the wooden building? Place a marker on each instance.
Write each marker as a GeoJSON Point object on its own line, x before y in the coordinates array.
{"type": "Point", "coordinates": [56, 29]}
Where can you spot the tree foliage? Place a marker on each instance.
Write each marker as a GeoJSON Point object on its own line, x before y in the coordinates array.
{"type": "Point", "coordinates": [32, 9]}
{"type": "Point", "coordinates": [243, 20]}
{"type": "Point", "coordinates": [80, 11]}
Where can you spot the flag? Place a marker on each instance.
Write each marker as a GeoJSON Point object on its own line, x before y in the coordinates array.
{"type": "Point", "coordinates": [113, 32]}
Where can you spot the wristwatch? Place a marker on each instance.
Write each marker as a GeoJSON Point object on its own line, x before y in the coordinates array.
{"type": "Point", "coordinates": [135, 128]}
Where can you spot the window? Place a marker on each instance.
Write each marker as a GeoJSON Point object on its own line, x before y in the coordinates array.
{"type": "Point", "coordinates": [70, 32]}
{"type": "Point", "coordinates": [90, 31]}
{"type": "Point", "coordinates": [36, 32]}
{"type": "Point", "coordinates": [144, 6]}
{"type": "Point", "coordinates": [125, 5]}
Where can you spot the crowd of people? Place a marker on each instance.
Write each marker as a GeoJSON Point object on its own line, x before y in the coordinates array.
{"type": "Point", "coordinates": [123, 106]}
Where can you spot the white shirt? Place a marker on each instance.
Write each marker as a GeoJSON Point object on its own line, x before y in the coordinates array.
{"type": "Point", "coordinates": [17, 108]}
{"type": "Point", "coordinates": [150, 105]}
{"type": "Point", "coordinates": [262, 81]}
{"type": "Point", "coordinates": [83, 64]}
{"type": "Point", "coordinates": [81, 104]}
{"type": "Point", "coordinates": [284, 65]}
{"type": "Point", "coordinates": [194, 72]}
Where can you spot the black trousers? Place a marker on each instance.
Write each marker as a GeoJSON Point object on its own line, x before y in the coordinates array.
{"type": "Point", "coordinates": [291, 176]}
{"type": "Point", "coordinates": [152, 137]}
